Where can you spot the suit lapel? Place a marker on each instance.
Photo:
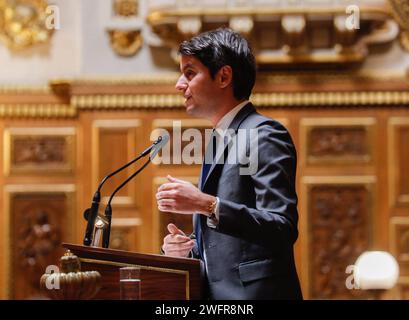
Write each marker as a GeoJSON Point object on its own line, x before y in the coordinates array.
{"type": "Point", "coordinates": [234, 125]}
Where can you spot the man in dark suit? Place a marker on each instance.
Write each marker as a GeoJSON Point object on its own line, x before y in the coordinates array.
{"type": "Point", "coordinates": [245, 209]}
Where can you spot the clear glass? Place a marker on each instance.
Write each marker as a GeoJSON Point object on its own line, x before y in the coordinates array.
{"type": "Point", "coordinates": [130, 283]}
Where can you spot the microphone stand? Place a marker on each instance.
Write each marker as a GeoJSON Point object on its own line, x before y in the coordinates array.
{"type": "Point", "coordinates": [108, 208]}
{"type": "Point", "coordinates": [91, 214]}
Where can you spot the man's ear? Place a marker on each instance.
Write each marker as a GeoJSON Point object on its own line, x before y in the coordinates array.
{"type": "Point", "coordinates": [225, 76]}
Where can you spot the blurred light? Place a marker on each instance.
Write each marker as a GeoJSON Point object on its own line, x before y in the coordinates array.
{"type": "Point", "coordinates": [376, 270]}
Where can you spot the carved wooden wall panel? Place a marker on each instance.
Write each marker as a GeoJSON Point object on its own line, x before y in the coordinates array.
{"type": "Point", "coordinates": [337, 140]}
{"type": "Point", "coordinates": [188, 134]}
{"type": "Point", "coordinates": [124, 233]}
{"type": "Point", "coordinates": [399, 161]}
{"type": "Point", "coordinates": [338, 225]}
{"type": "Point", "coordinates": [399, 247]}
{"type": "Point", "coordinates": [349, 133]}
{"type": "Point", "coordinates": [41, 217]}
{"type": "Point", "coordinates": [115, 142]}
{"type": "Point", "coordinates": [399, 234]}
{"type": "Point", "coordinates": [39, 150]}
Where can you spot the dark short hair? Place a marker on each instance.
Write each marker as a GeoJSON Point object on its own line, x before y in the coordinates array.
{"type": "Point", "coordinates": [221, 47]}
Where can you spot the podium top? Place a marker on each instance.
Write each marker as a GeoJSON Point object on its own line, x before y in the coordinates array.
{"type": "Point", "coordinates": [128, 257]}
{"type": "Point", "coordinates": [180, 276]}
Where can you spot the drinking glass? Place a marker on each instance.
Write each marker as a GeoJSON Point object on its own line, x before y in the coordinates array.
{"type": "Point", "coordinates": [130, 283]}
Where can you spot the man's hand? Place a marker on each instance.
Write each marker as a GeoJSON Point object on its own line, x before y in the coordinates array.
{"type": "Point", "coordinates": [179, 196]}
{"type": "Point", "coordinates": [176, 243]}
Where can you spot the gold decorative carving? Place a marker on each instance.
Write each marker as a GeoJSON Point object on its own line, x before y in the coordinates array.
{"type": "Point", "coordinates": [37, 111]}
{"type": "Point", "coordinates": [9, 89]}
{"type": "Point", "coordinates": [295, 29]}
{"type": "Point", "coordinates": [72, 283]}
{"type": "Point", "coordinates": [404, 39]}
{"type": "Point", "coordinates": [400, 11]}
{"type": "Point", "coordinates": [337, 228]}
{"type": "Point", "coordinates": [170, 78]}
{"type": "Point", "coordinates": [23, 23]}
{"type": "Point", "coordinates": [127, 101]}
{"type": "Point", "coordinates": [125, 8]}
{"type": "Point", "coordinates": [39, 150]}
{"type": "Point", "coordinates": [337, 140]}
{"type": "Point", "coordinates": [280, 99]}
{"type": "Point", "coordinates": [125, 43]}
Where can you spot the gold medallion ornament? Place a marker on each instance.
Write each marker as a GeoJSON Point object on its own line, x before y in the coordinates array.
{"type": "Point", "coordinates": [23, 23]}
{"type": "Point", "coordinates": [125, 43]}
{"type": "Point", "coordinates": [125, 8]}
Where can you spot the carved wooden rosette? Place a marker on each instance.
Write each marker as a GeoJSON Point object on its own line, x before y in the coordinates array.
{"type": "Point", "coordinates": [70, 283]}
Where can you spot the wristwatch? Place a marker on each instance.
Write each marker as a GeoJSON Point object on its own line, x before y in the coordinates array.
{"type": "Point", "coordinates": [212, 208]}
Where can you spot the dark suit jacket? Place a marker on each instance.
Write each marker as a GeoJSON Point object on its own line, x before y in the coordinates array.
{"type": "Point", "coordinates": [250, 253]}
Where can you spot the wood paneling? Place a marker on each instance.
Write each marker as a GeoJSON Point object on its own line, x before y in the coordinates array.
{"type": "Point", "coordinates": [337, 227]}
{"type": "Point", "coordinates": [39, 150]}
{"type": "Point", "coordinates": [399, 161]}
{"type": "Point", "coordinates": [115, 142]}
{"type": "Point", "coordinates": [351, 136]}
{"type": "Point", "coordinates": [40, 218]}
{"type": "Point", "coordinates": [337, 140]}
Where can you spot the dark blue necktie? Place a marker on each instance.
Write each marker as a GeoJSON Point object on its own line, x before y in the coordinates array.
{"type": "Point", "coordinates": [207, 164]}
{"type": "Point", "coordinates": [208, 159]}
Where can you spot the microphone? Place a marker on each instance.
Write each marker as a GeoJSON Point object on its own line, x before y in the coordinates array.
{"type": "Point", "coordinates": [156, 147]}
{"type": "Point", "coordinates": [91, 213]}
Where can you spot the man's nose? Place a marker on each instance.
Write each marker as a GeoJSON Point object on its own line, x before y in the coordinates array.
{"type": "Point", "coordinates": [181, 84]}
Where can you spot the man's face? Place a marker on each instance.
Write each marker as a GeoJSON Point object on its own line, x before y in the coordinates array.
{"type": "Point", "coordinates": [198, 88]}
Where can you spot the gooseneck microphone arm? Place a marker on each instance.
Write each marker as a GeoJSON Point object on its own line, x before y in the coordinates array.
{"type": "Point", "coordinates": [108, 209]}
{"type": "Point", "coordinates": [143, 154]}
{"type": "Point", "coordinates": [90, 214]}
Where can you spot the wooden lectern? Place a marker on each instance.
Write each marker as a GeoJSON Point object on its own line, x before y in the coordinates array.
{"type": "Point", "coordinates": [163, 277]}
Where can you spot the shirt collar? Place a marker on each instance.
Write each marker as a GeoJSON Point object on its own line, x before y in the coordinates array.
{"type": "Point", "coordinates": [227, 119]}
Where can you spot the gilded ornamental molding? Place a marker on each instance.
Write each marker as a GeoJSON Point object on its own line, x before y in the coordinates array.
{"type": "Point", "coordinates": [66, 98]}
{"type": "Point", "coordinates": [283, 33]}
{"type": "Point", "coordinates": [127, 101]}
{"type": "Point", "coordinates": [268, 100]}
{"type": "Point", "coordinates": [23, 23]}
{"type": "Point", "coordinates": [400, 10]}
{"type": "Point", "coordinates": [37, 111]}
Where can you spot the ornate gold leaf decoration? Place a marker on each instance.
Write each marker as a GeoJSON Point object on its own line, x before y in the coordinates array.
{"type": "Point", "coordinates": [267, 100]}
{"type": "Point", "coordinates": [125, 8]}
{"type": "Point", "coordinates": [71, 282]}
{"type": "Point", "coordinates": [400, 10]}
{"type": "Point", "coordinates": [125, 43]}
{"type": "Point", "coordinates": [291, 39]}
{"type": "Point", "coordinates": [37, 111]}
{"type": "Point", "coordinates": [23, 23]}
